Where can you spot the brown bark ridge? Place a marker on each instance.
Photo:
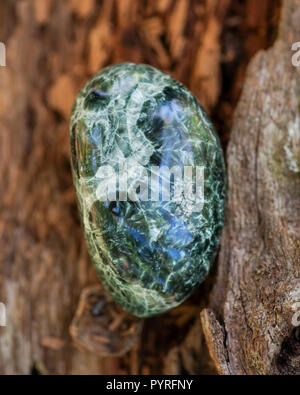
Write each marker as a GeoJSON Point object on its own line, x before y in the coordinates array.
{"type": "Point", "coordinates": [102, 327]}
{"type": "Point", "coordinates": [251, 323]}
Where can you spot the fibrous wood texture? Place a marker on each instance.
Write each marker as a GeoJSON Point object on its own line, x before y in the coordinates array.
{"type": "Point", "coordinates": [53, 47]}
{"type": "Point", "coordinates": [250, 328]}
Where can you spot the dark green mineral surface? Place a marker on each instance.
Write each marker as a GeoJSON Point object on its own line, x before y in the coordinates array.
{"type": "Point", "coordinates": [150, 180]}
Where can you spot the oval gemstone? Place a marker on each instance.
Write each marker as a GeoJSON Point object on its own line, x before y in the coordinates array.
{"type": "Point", "coordinates": [150, 180]}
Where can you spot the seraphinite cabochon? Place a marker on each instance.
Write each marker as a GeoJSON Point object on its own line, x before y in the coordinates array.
{"type": "Point", "coordinates": [129, 125]}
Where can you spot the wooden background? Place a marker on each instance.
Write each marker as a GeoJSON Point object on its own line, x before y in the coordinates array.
{"type": "Point", "coordinates": [53, 47]}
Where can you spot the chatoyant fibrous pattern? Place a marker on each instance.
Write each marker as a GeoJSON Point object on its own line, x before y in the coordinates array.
{"type": "Point", "coordinates": [150, 180]}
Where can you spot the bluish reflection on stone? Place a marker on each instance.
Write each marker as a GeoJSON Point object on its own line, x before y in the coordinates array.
{"type": "Point", "coordinates": [150, 255]}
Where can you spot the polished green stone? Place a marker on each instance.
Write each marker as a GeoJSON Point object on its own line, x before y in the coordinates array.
{"type": "Point", "coordinates": [150, 254]}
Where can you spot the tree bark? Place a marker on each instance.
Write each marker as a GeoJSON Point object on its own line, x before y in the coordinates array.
{"type": "Point", "coordinates": [53, 47]}
{"type": "Point", "coordinates": [250, 326]}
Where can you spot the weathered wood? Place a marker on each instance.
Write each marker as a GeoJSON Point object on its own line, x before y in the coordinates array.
{"type": "Point", "coordinates": [53, 47]}
{"type": "Point", "coordinates": [250, 327]}
{"type": "Point", "coordinates": [102, 327]}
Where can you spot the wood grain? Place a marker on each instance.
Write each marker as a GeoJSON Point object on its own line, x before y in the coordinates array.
{"type": "Point", "coordinates": [258, 281]}
{"type": "Point", "coordinates": [53, 47]}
